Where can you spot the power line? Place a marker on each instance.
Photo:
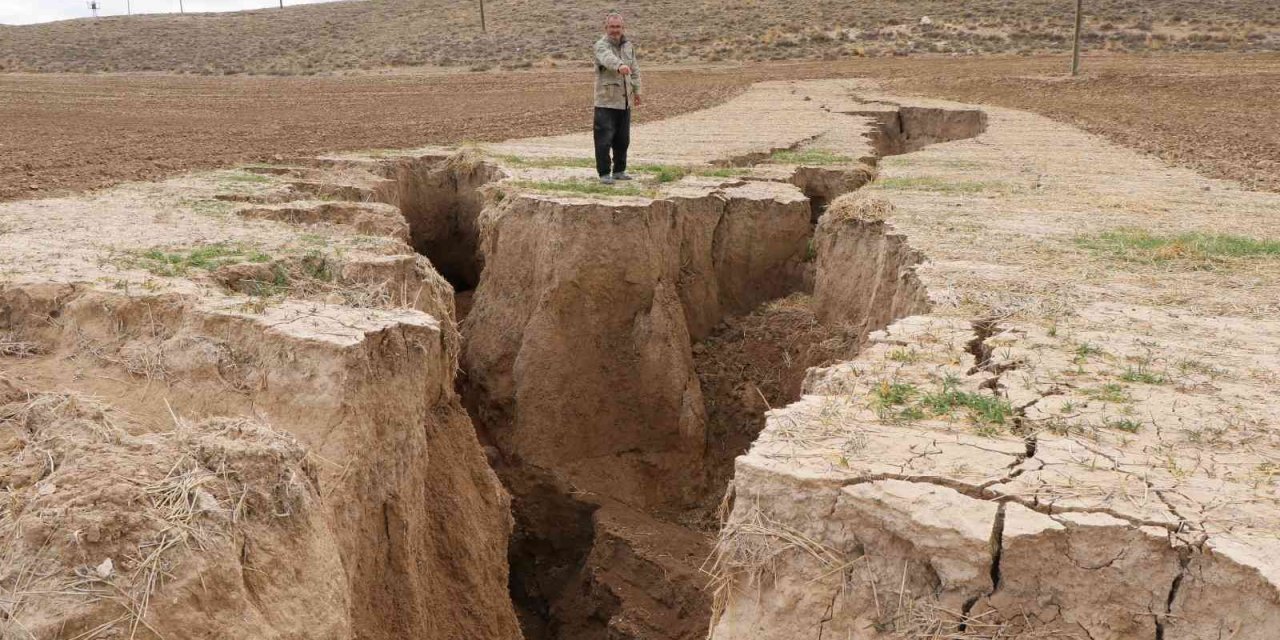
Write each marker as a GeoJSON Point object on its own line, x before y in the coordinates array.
{"type": "Point", "coordinates": [1075, 49]}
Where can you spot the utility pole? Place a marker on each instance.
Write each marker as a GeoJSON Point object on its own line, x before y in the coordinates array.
{"type": "Point", "coordinates": [180, 7]}
{"type": "Point", "coordinates": [483, 25]}
{"type": "Point", "coordinates": [93, 6]}
{"type": "Point", "coordinates": [128, 7]}
{"type": "Point", "coordinates": [1075, 53]}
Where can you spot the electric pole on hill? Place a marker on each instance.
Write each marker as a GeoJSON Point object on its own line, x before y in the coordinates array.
{"type": "Point", "coordinates": [93, 6]}
{"type": "Point", "coordinates": [483, 26]}
{"type": "Point", "coordinates": [1075, 51]}
{"type": "Point", "coordinates": [180, 7]}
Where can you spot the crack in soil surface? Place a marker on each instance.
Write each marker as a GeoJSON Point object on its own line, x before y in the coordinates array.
{"type": "Point", "coordinates": [749, 352]}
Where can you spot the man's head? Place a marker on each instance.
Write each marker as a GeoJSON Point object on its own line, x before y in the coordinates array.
{"type": "Point", "coordinates": [613, 26]}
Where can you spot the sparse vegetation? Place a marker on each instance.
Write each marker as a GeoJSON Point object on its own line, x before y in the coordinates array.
{"type": "Point", "coordinates": [209, 207]}
{"type": "Point", "coordinates": [983, 409]}
{"type": "Point", "coordinates": [547, 163]}
{"type": "Point", "coordinates": [544, 33]}
{"type": "Point", "coordinates": [811, 157]}
{"type": "Point", "coordinates": [1110, 392]}
{"type": "Point", "coordinates": [1128, 425]}
{"type": "Point", "coordinates": [901, 401]}
{"type": "Point", "coordinates": [180, 262]}
{"type": "Point", "coordinates": [665, 173]}
{"type": "Point", "coordinates": [244, 177]}
{"type": "Point", "coordinates": [1143, 375]}
{"type": "Point", "coordinates": [1084, 351]}
{"type": "Point", "coordinates": [1192, 249]}
{"type": "Point", "coordinates": [891, 394]}
{"type": "Point", "coordinates": [1189, 366]}
{"type": "Point", "coordinates": [939, 185]}
{"type": "Point", "coordinates": [583, 187]}
{"type": "Point", "coordinates": [905, 356]}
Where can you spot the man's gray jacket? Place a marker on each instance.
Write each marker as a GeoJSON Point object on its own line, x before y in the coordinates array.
{"type": "Point", "coordinates": [614, 90]}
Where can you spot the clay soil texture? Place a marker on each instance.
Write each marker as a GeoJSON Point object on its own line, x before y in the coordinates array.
{"type": "Point", "coordinates": [66, 133]}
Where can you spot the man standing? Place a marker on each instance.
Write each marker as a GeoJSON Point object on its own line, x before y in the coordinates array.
{"type": "Point", "coordinates": [617, 91]}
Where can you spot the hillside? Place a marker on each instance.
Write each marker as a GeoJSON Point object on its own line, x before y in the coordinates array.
{"type": "Point", "coordinates": [372, 34]}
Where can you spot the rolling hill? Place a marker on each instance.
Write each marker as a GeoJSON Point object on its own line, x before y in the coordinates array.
{"type": "Point", "coordinates": [374, 34]}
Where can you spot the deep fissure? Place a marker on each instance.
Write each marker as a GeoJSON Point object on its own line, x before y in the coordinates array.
{"type": "Point", "coordinates": [747, 352]}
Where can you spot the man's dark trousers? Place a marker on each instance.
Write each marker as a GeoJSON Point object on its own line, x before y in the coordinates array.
{"type": "Point", "coordinates": [613, 133]}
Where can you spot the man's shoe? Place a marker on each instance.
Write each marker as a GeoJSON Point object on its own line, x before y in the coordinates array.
{"type": "Point", "coordinates": [606, 180]}
{"type": "Point", "coordinates": [621, 176]}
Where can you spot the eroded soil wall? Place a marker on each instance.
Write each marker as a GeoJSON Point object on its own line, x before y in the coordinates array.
{"type": "Point", "coordinates": [415, 520]}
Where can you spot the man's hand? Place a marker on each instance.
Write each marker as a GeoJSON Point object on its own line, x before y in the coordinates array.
{"type": "Point", "coordinates": [624, 70]}
{"type": "Point", "coordinates": [636, 99]}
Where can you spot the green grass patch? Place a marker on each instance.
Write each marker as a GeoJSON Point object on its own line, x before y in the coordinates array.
{"type": "Point", "coordinates": [209, 207]}
{"type": "Point", "coordinates": [316, 266]}
{"type": "Point", "coordinates": [1110, 392]}
{"type": "Point", "coordinates": [1084, 351]}
{"type": "Point", "coordinates": [892, 394]}
{"type": "Point", "coordinates": [278, 285]}
{"type": "Point", "coordinates": [811, 157]}
{"type": "Point", "coordinates": [902, 401]}
{"type": "Point", "coordinates": [207, 257]}
{"type": "Point", "coordinates": [984, 409]}
{"type": "Point", "coordinates": [904, 355]}
{"type": "Point", "coordinates": [244, 177]}
{"type": "Point", "coordinates": [1196, 248]}
{"type": "Point", "coordinates": [584, 187]}
{"type": "Point", "coordinates": [664, 173]}
{"type": "Point", "coordinates": [938, 185]}
{"type": "Point", "coordinates": [1127, 425]}
{"type": "Point", "coordinates": [547, 163]}
{"type": "Point", "coordinates": [1142, 375]}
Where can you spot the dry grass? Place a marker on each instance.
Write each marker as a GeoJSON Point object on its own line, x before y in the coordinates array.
{"type": "Point", "coordinates": [212, 483]}
{"type": "Point", "coordinates": [859, 207]}
{"type": "Point", "coordinates": [751, 546]}
{"type": "Point", "coordinates": [11, 346]}
{"type": "Point", "coordinates": [373, 34]}
{"type": "Point", "coordinates": [923, 619]}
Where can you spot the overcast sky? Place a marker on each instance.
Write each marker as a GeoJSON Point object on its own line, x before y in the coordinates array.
{"type": "Point", "coordinates": [29, 11]}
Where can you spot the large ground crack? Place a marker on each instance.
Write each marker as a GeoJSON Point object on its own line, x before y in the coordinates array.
{"type": "Point", "coordinates": [615, 379]}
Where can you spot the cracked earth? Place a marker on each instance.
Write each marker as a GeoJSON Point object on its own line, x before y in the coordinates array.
{"type": "Point", "coordinates": [296, 394]}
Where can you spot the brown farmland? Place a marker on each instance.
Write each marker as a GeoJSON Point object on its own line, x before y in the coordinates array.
{"type": "Point", "coordinates": [61, 133]}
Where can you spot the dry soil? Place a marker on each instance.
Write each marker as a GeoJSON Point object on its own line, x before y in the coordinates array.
{"type": "Point", "coordinates": [65, 133]}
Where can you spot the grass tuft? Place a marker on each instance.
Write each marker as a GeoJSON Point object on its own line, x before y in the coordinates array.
{"type": "Point", "coordinates": [907, 356]}
{"type": "Point", "coordinates": [1142, 375]}
{"type": "Point", "coordinates": [1110, 392]}
{"type": "Point", "coordinates": [204, 258]}
{"type": "Point", "coordinates": [244, 177]}
{"type": "Point", "coordinates": [982, 408]}
{"type": "Point", "coordinates": [547, 163]}
{"type": "Point", "coordinates": [811, 157]}
{"type": "Point", "coordinates": [1193, 249]}
{"type": "Point", "coordinates": [1128, 425]}
{"type": "Point", "coordinates": [585, 187]}
{"type": "Point", "coordinates": [938, 185]}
